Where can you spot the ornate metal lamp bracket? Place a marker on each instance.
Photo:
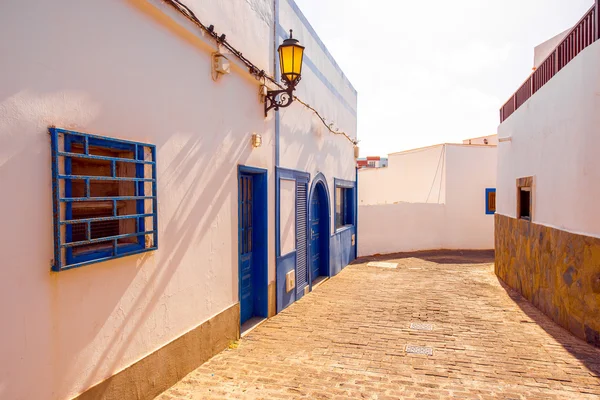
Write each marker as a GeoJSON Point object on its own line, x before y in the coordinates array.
{"type": "Point", "coordinates": [277, 99]}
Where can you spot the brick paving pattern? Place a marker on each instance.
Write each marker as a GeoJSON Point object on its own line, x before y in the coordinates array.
{"type": "Point", "coordinates": [347, 340]}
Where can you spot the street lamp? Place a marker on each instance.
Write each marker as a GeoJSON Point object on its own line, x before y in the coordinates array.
{"type": "Point", "coordinates": [291, 54]}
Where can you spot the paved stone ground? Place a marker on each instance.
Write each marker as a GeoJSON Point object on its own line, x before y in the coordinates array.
{"type": "Point", "coordinates": [347, 340]}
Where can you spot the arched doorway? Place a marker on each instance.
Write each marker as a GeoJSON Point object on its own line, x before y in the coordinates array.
{"type": "Point", "coordinates": [319, 229]}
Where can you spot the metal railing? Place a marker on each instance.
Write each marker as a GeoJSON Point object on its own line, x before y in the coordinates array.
{"type": "Point", "coordinates": [583, 34]}
{"type": "Point", "coordinates": [89, 235]}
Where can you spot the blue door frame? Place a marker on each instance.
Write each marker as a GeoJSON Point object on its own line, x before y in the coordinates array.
{"type": "Point", "coordinates": [253, 271]}
{"type": "Point", "coordinates": [319, 211]}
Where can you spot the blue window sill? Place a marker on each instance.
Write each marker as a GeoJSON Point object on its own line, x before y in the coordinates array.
{"type": "Point", "coordinates": [344, 228]}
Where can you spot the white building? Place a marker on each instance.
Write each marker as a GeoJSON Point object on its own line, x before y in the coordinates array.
{"type": "Point", "coordinates": [437, 197]}
{"type": "Point", "coordinates": [207, 231]}
{"type": "Point", "coordinates": [547, 222]}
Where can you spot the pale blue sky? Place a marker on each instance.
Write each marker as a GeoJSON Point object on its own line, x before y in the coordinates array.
{"type": "Point", "coordinates": [434, 71]}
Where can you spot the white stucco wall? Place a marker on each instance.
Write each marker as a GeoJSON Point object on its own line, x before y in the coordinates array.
{"type": "Point", "coordinates": [133, 70]}
{"type": "Point", "coordinates": [392, 228]}
{"type": "Point", "coordinates": [413, 176]}
{"type": "Point", "coordinates": [305, 143]}
{"type": "Point", "coordinates": [138, 70]}
{"type": "Point", "coordinates": [470, 170]}
{"type": "Point", "coordinates": [287, 204]}
{"type": "Point", "coordinates": [554, 137]}
{"type": "Point", "coordinates": [543, 50]}
{"type": "Point", "coordinates": [459, 223]}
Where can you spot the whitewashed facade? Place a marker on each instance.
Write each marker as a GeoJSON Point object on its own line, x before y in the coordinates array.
{"type": "Point", "coordinates": [436, 197]}
{"type": "Point", "coordinates": [140, 71]}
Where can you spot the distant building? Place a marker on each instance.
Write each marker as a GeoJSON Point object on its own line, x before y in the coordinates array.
{"type": "Point", "coordinates": [372, 162]}
{"type": "Point", "coordinates": [436, 197]}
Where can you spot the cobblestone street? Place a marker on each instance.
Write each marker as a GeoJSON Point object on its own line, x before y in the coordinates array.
{"type": "Point", "coordinates": [348, 340]}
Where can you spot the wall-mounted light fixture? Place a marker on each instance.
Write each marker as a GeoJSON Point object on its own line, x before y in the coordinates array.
{"type": "Point", "coordinates": [256, 140]}
{"type": "Point", "coordinates": [291, 54]}
{"type": "Point", "coordinates": [220, 66]}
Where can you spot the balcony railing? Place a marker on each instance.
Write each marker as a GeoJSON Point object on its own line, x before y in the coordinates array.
{"type": "Point", "coordinates": [583, 34]}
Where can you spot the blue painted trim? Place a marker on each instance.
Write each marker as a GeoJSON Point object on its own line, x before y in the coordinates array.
{"type": "Point", "coordinates": [285, 264]}
{"type": "Point", "coordinates": [251, 170]}
{"type": "Point", "coordinates": [292, 174]}
{"type": "Point", "coordinates": [487, 201]}
{"type": "Point", "coordinates": [95, 256]}
{"type": "Point", "coordinates": [309, 63]}
{"type": "Point", "coordinates": [320, 179]}
{"type": "Point", "coordinates": [345, 184]}
{"type": "Point", "coordinates": [316, 37]}
{"type": "Point", "coordinates": [260, 254]}
{"type": "Point", "coordinates": [289, 174]}
{"type": "Point", "coordinates": [299, 177]}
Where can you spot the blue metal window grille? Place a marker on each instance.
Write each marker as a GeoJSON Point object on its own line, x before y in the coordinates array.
{"type": "Point", "coordinates": [490, 201]}
{"type": "Point", "coordinates": [104, 198]}
{"type": "Point", "coordinates": [344, 203]}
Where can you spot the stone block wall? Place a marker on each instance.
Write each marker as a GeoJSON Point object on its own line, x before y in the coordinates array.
{"type": "Point", "coordinates": [557, 271]}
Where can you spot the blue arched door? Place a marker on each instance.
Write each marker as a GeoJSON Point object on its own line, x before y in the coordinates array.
{"type": "Point", "coordinates": [319, 233]}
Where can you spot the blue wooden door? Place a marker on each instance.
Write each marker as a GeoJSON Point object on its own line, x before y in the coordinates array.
{"type": "Point", "coordinates": [315, 236]}
{"type": "Point", "coordinates": [245, 243]}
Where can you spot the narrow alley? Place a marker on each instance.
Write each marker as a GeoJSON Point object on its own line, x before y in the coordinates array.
{"type": "Point", "coordinates": [349, 339]}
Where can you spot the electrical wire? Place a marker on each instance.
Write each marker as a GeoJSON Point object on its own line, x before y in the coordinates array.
{"type": "Point", "coordinates": [252, 68]}
{"type": "Point", "coordinates": [442, 154]}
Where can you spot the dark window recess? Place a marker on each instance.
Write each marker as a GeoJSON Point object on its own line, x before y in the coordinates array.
{"type": "Point", "coordinates": [490, 201]}
{"type": "Point", "coordinates": [344, 207]}
{"type": "Point", "coordinates": [525, 203]}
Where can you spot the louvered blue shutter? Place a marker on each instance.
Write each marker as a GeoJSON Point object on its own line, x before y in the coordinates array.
{"type": "Point", "coordinates": [301, 220]}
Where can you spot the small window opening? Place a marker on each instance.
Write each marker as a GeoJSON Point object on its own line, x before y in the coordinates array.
{"type": "Point", "coordinates": [525, 203]}
{"type": "Point", "coordinates": [490, 201]}
{"type": "Point", "coordinates": [104, 198]}
{"type": "Point", "coordinates": [344, 207]}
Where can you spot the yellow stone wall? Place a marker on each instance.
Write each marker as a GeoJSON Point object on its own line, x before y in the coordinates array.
{"type": "Point", "coordinates": [557, 271]}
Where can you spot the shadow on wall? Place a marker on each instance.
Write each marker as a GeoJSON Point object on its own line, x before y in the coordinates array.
{"type": "Point", "coordinates": [71, 330]}
{"type": "Point", "coordinates": [583, 351]}
{"type": "Point", "coordinates": [461, 257]}
{"type": "Point", "coordinates": [313, 144]}
{"type": "Point", "coordinates": [191, 220]}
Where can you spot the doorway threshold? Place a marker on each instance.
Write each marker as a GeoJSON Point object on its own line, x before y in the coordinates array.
{"type": "Point", "coordinates": [250, 325]}
{"type": "Point", "coordinates": [319, 281]}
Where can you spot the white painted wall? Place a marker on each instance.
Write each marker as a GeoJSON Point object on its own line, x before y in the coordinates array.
{"type": "Point", "coordinates": [543, 50]}
{"type": "Point", "coordinates": [413, 176]}
{"type": "Point", "coordinates": [470, 170]}
{"type": "Point", "coordinates": [134, 70]}
{"type": "Point", "coordinates": [554, 137]}
{"type": "Point", "coordinates": [458, 223]}
{"type": "Point", "coordinates": [305, 143]}
{"type": "Point", "coordinates": [392, 228]}
{"type": "Point", "coordinates": [287, 204]}
{"type": "Point", "coordinates": [137, 70]}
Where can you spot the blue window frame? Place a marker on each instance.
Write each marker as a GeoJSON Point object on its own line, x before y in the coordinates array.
{"type": "Point", "coordinates": [104, 198]}
{"type": "Point", "coordinates": [490, 201]}
{"type": "Point", "coordinates": [344, 203]}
